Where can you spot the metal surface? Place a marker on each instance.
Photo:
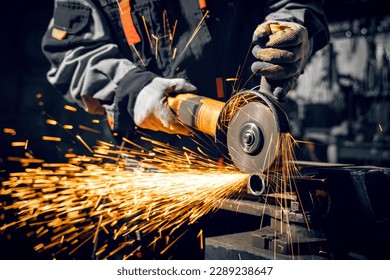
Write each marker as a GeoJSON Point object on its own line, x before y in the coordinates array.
{"type": "Point", "coordinates": [256, 184]}
{"type": "Point", "coordinates": [253, 138]}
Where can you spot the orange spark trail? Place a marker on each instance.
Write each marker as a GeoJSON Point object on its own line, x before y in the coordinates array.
{"type": "Point", "coordinates": [147, 191]}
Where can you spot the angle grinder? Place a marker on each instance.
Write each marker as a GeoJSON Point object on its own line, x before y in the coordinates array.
{"type": "Point", "coordinates": [249, 124]}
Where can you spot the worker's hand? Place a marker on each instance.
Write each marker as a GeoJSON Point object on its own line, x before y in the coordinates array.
{"type": "Point", "coordinates": [151, 110]}
{"type": "Point", "coordinates": [282, 49]}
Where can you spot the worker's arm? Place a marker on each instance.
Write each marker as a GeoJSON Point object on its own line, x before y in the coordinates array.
{"type": "Point", "coordinates": [87, 66]}
{"type": "Point", "coordinates": [292, 31]}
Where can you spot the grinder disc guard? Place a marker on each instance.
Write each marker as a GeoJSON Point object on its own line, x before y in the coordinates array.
{"type": "Point", "coordinates": [253, 137]}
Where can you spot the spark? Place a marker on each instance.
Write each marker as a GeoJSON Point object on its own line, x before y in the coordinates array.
{"type": "Point", "coordinates": [238, 74]}
{"type": "Point", "coordinates": [18, 144]}
{"type": "Point", "coordinates": [162, 191]}
{"type": "Point", "coordinates": [158, 190]}
{"type": "Point", "coordinates": [137, 53]}
{"type": "Point", "coordinates": [28, 155]}
{"type": "Point", "coordinates": [380, 127]}
{"type": "Point", "coordinates": [119, 6]}
{"type": "Point", "coordinates": [197, 28]}
{"type": "Point", "coordinates": [147, 31]}
{"type": "Point", "coordinates": [84, 143]}
{"type": "Point", "coordinates": [281, 181]}
{"type": "Point", "coordinates": [165, 22]}
{"type": "Point", "coordinates": [70, 108]}
{"type": "Point", "coordinates": [172, 243]}
{"type": "Point", "coordinates": [83, 127]}
{"type": "Point", "coordinates": [51, 138]}
{"type": "Point", "coordinates": [51, 122]}
{"type": "Point", "coordinates": [240, 71]}
{"type": "Point", "coordinates": [68, 126]}
{"type": "Point", "coordinates": [9, 131]}
{"type": "Point", "coordinates": [200, 236]}
{"type": "Point", "coordinates": [156, 49]}
{"type": "Point", "coordinates": [174, 53]}
{"type": "Point", "coordinates": [128, 189]}
{"type": "Point", "coordinates": [25, 160]}
{"type": "Point", "coordinates": [172, 36]}
{"type": "Point", "coordinates": [231, 79]}
{"type": "Point", "coordinates": [280, 177]}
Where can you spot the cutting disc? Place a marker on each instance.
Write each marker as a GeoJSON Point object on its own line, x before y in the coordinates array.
{"type": "Point", "coordinates": [253, 138]}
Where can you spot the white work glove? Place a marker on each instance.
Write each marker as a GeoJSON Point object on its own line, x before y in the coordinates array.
{"type": "Point", "coordinates": [151, 110]}
{"type": "Point", "coordinates": [282, 49]}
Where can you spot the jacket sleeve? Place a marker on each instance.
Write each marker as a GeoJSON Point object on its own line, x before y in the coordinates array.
{"type": "Point", "coordinates": [87, 66]}
{"type": "Point", "coordinates": [309, 13]}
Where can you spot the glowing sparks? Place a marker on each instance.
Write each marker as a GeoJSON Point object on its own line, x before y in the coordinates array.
{"type": "Point", "coordinates": [174, 53]}
{"type": "Point", "coordinates": [9, 131]}
{"type": "Point", "coordinates": [84, 143]}
{"type": "Point", "coordinates": [119, 5]}
{"type": "Point", "coordinates": [200, 236]}
{"type": "Point", "coordinates": [51, 138]}
{"type": "Point", "coordinates": [138, 55]}
{"type": "Point", "coordinates": [18, 144]}
{"type": "Point", "coordinates": [70, 155]}
{"type": "Point", "coordinates": [158, 192]}
{"type": "Point", "coordinates": [70, 108]}
{"type": "Point", "coordinates": [25, 161]}
{"type": "Point", "coordinates": [147, 31]}
{"type": "Point", "coordinates": [86, 128]}
{"type": "Point", "coordinates": [195, 32]}
{"type": "Point", "coordinates": [119, 191]}
{"type": "Point", "coordinates": [67, 126]}
{"type": "Point", "coordinates": [156, 48]}
{"type": "Point", "coordinates": [51, 122]}
{"type": "Point", "coordinates": [172, 35]}
{"type": "Point", "coordinates": [231, 79]}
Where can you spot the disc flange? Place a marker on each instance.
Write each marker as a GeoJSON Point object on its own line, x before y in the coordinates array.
{"type": "Point", "coordinates": [253, 138]}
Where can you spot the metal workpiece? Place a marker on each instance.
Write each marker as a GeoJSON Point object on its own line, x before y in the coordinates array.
{"type": "Point", "coordinates": [337, 212]}
{"type": "Point", "coordinates": [256, 184]}
{"type": "Point", "coordinates": [264, 246]}
{"type": "Point", "coordinates": [292, 245]}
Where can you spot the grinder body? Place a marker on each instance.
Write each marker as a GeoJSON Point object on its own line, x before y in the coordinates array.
{"type": "Point", "coordinates": [199, 112]}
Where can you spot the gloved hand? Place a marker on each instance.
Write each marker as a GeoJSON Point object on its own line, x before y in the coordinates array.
{"type": "Point", "coordinates": [151, 110]}
{"type": "Point", "coordinates": [282, 49]}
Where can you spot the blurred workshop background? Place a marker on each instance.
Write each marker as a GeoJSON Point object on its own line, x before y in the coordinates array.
{"type": "Point", "coordinates": [341, 104]}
